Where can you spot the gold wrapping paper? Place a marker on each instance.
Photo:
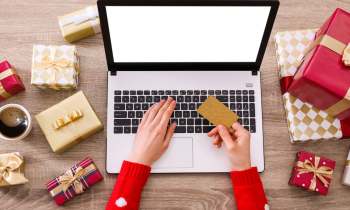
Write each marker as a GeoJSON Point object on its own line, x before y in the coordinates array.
{"type": "Point", "coordinates": [19, 177]}
{"type": "Point", "coordinates": [73, 133]}
{"type": "Point", "coordinates": [72, 32]}
{"type": "Point", "coordinates": [62, 77]}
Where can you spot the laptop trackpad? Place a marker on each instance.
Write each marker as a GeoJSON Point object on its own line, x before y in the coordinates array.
{"type": "Point", "coordinates": [178, 154]}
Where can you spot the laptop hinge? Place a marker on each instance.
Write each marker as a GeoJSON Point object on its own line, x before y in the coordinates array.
{"type": "Point", "coordinates": [113, 72]}
{"type": "Point", "coordinates": [255, 72]}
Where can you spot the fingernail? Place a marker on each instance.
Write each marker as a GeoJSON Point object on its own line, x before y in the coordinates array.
{"type": "Point", "coordinates": [220, 127]}
{"type": "Point", "coordinates": [174, 125]}
{"type": "Point", "coordinates": [153, 105]}
{"type": "Point", "coordinates": [162, 101]}
{"type": "Point", "coordinates": [170, 99]}
{"type": "Point", "coordinates": [173, 102]}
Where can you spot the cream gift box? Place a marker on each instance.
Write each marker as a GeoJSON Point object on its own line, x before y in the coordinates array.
{"type": "Point", "coordinates": [55, 67]}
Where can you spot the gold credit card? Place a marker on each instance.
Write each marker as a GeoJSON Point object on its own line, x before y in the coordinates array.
{"type": "Point", "coordinates": [217, 113]}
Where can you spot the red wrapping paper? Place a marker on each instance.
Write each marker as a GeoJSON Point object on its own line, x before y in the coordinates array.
{"type": "Point", "coordinates": [322, 79]}
{"type": "Point", "coordinates": [304, 180]}
{"type": "Point", "coordinates": [11, 84]}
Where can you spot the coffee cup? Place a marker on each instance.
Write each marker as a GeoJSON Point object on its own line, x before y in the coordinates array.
{"type": "Point", "coordinates": [15, 122]}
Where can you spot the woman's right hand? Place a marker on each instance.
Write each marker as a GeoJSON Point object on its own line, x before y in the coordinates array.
{"type": "Point", "coordinates": [237, 141]}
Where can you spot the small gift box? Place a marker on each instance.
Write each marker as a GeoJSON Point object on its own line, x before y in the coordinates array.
{"type": "Point", "coordinates": [10, 83]}
{"type": "Point", "coordinates": [55, 67]}
{"type": "Point", "coordinates": [69, 122]}
{"type": "Point", "coordinates": [80, 24]}
{"type": "Point", "coordinates": [73, 182]}
{"type": "Point", "coordinates": [312, 172]}
{"type": "Point", "coordinates": [346, 174]}
{"type": "Point", "coordinates": [323, 78]}
{"type": "Point", "coordinates": [11, 169]}
{"type": "Point", "coordinates": [305, 122]}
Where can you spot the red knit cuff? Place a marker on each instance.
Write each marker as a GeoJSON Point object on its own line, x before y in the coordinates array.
{"type": "Point", "coordinates": [246, 177]}
{"type": "Point", "coordinates": [135, 170]}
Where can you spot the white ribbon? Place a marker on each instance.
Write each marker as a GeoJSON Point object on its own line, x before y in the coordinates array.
{"type": "Point", "coordinates": [90, 14]}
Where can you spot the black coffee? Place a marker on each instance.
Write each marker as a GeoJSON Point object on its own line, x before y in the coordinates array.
{"type": "Point", "coordinates": [13, 122]}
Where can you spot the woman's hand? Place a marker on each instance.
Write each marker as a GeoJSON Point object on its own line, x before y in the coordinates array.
{"type": "Point", "coordinates": [153, 136]}
{"type": "Point", "coordinates": [237, 141]}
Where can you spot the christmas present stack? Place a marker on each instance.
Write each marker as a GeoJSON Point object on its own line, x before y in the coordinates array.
{"type": "Point", "coordinates": [73, 182]}
{"type": "Point", "coordinates": [306, 120]}
{"type": "Point", "coordinates": [10, 83]}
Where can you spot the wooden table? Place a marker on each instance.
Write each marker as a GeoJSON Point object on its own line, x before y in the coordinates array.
{"type": "Point", "coordinates": [24, 23]}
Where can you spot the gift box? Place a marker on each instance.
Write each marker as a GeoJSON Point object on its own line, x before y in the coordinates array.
{"type": "Point", "coordinates": [323, 78]}
{"type": "Point", "coordinates": [55, 67]}
{"type": "Point", "coordinates": [305, 122]}
{"type": "Point", "coordinates": [80, 24]}
{"type": "Point", "coordinates": [10, 83]}
{"type": "Point", "coordinates": [69, 122]}
{"type": "Point", "coordinates": [311, 172]}
{"type": "Point", "coordinates": [12, 169]}
{"type": "Point", "coordinates": [73, 182]}
{"type": "Point", "coordinates": [346, 174]}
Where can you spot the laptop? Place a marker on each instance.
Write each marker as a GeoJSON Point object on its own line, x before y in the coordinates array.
{"type": "Point", "coordinates": [187, 50]}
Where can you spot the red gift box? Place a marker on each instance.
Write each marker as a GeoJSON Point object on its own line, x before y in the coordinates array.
{"type": "Point", "coordinates": [312, 172]}
{"type": "Point", "coordinates": [323, 79]}
{"type": "Point", "coordinates": [73, 182]}
{"type": "Point", "coordinates": [10, 83]}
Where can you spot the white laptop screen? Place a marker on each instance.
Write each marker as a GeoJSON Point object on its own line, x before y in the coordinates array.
{"type": "Point", "coordinates": [186, 33]}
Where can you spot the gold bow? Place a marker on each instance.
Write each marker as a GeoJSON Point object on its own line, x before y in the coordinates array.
{"type": "Point", "coordinates": [320, 172]}
{"type": "Point", "coordinates": [67, 119]}
{"type": "Point", "coordinates": [60, 65]}
{"type": "Point", "coordinates": [70, 179]}
{"type": "Point", "coordinates": [7, 173]}
{"type": "Point", "coordinates": [346, 56]}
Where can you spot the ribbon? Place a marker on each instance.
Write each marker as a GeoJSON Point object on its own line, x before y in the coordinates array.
{"type": "Point", "coordinates": [90, 14]}
{"type": "Point", "coordinates": [47, 62]}
{"type": "Point", "coordinates": [3, 75]}
{"type": "Point", "coordinates": [69, 179]}
{"type": "Point", "coordinates": [319, 172]}
{"type": "Point", "coordinates": [7, 173]}
{"type": "Point", "coordinates": [341, 49]}
{"type": "Point", "coordinates": [67, 119]}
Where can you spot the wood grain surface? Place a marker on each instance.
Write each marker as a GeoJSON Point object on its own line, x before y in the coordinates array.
{"type": "Point", "coordinates": [24, 23]}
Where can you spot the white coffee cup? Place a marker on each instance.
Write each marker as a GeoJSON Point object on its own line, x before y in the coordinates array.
{"type": "Point", "coordinates": [28, 128]}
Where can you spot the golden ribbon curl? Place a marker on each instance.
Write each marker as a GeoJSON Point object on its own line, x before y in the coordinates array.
{"type": "Point", "coordinates": [67, 119]}
{"type": "Point", "coordinates": [346, 56]}
{"type": "Point", "coordinates": [70, 179]}
{"type": "Point", "coordinates": [7, 171]}
{"type": "Point", "coordinates": [47, 62]}
{"type": "Point", "coordinates": [319, 172]}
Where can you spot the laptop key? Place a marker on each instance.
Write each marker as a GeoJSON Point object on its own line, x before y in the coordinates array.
{"type": "Point", "coordinates": [161, 92]}
{"type": "Point", "coordinates": [246, 121]}
{"type": "Point", "coordinates": [186, 114]}
{"type": "Point", "coordinates": [175, 92]}
{"type": "Point", "coordinates": [135, 121]}
{"type": "Point", "coordinates": [232, 92]}
{"type": "Point", "coordinates": [252, 109]}
{"type": "Point", "coordinates": [133, 99]}
{"type": "Point", "coordinates": [207, 129]}
{"type": "Point", "coordinates": [252, 121]}
{"type": "Point", "coordinates": [164, 97]}
{"type": "Point", "coordinates": [125, 92]}
{"type": "Point", "coordinates": [247, 128]}
{"type": "Point", "coordinates": [146, 92]}
{"type": "Point", "coordinates": [198, 121]}
{"type": "Point", "coordinates": [194, 114]}
{"type": "Point", "coordinates": [198, 105]}
{"type": "Point", "coordinates": [203, 98]}
{"type": "Point", "coordinates": [232, 106]}
{"type": "Point", "coordinates": [245, 98]}
{"type": "Point", "coordinates": [232, 99]}
{"type": "Point", "coordinates": [239, 121]}
{"type": "Point", "coordinates": [211, 92]}
{"type": "Point", "coordinates": [180, 99]}
{"type": "Point", "coordinates": [180, 129]}
{"type": "Point", "coordinates": [226, 104]}
{"type": "Point", "coordinates": [190, 129]}
{"type": "Point", "coordinates": [141, 99]}
{"type": "Point", "coordinates": [188, 99]}
{"type": "Point", "coordinates": [134, 129]}
{"type": "Point", "coordinates": [177, 107]}
{"type": "Point", "coordinates": [156, 99]}
{"type": "Point", "coordinates": [127, 129]}
{"type": "Point", "coordinates": [190, 122]}
{"type": "Point", "coordinates": [203, 92]}
{"type": "Point", "coordinates": [195, 98]}
{"type": "Point", "coordinates": [205, 122]}
{"type": "Point", "coordinates": [132, 92]}
{"type": "Point", "coordinates": [168, 92]}
{"type": "Point", "coordinates": [245, 107]}
{"type": "Point", "coordinates": [119, 106]}
{"type": "Point", "coordinates": [252, 129]}
{"type": "Point", "coordinates": [118, 129]}
{"type": "Point", "coordinates": [238, 92]}
{"type": "Point", "coordinates": [217, 92]}
{"type": "Point", "coordinates": [182, 121]}
{"type": "Point", "coordinates": [154, 92]}
{"type": "Point", "coordinates": [239, 113]}
{"type": "Point", "coordinates": [197, 92]}
{"type": "Point", "coordinates": [137, 106]}
{"type": "Point", "coordinates": [222, 98]}
{"type": "Point", "coordinates": [239, 98]}
{"type": "Point", "coordinates": [184, 106]}
{"type": "Point", "coordinates": [178, 114]}
{"type": "Point", "coordinates": [145, 107]}
{"type": "Point", "coordinates": [192, 107]}
{"type": "Point", "coordinates": [122, 121]}
{"type": "Point", "coordinates": [225, 92]}
{"type": "Point", "coordinates": [139, 114]}
{"type": "Point", "coordinates": [131, 114]}
{"type": "Point", "coordinates": [120, 114]}
{"type": "Point", "coordinates": [251, 92]}
{"type": "Point", "coordinates": [174, 121]}
{"type": "Point", "coordinates": [140, 92]}
{"type": "Point", "coordinates": [251, 99]}
{"type": "Point", "coordinates": [182, 92]}
{"type": "Point", "coordinates": [117, 99]}
{"type": "Point", "coordinates": [239, 106]}
{"type": "Point", "coordinates": [129, 107]}
{"type": "Point", "coordinates": [245, 114]}
{"type": "Point", "coordinates": [149, 99]}
{"type": "Point", "coordinates": [173, 97]}
{"type": "Point", "coordinates": [117, 92]}
{"type": "Point", "coordinates": [245, 92]}
{"type": "Point", "coordinates": [198, 129]}
{"type": "Point", "coordinates": [189, 92]}
{"type": "Point", "coordinates": [125, 99]}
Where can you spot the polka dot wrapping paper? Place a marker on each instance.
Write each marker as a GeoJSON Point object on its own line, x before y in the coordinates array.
{"type": "Point", "coordinates": [305, 179]}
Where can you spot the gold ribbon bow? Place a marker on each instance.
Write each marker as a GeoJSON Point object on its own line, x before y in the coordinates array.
{"type": "Point", "coordinates": [346, 56]}
{"type": "Point", "coordinates": [70, 179]}
{"type": "Point", "coordinates": [47, 62]}
{"type": "Point", "coordinates": [7, 171]}
{"type": "Point", "coordinates": [67, 119]}
{"type": "Point", "coordinates": [319, 172]}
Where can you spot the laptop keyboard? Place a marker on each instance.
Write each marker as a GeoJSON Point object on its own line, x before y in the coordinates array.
{"type": "Point", "coordinates": [130, 105]}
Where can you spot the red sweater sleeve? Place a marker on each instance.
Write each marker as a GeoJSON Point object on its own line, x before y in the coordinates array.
{"type": "Point", "coordinates": [126, 194]}
{"type": "Point", "coordinates": [249, 191]}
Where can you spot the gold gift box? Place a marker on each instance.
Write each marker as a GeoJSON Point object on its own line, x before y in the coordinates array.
{"type": "Point", "coordinates": [80, 24]}
{"type": "Point", "coordinates": [47, 75]}
{"type": "Point", "coordinates": [69, 122]}
{"type": "Point", "coordinates": [4, 160]}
